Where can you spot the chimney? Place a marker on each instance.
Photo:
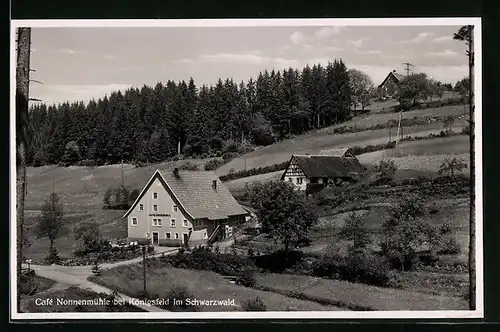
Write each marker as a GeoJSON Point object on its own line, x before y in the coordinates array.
{"type": "Point", "coordinates": [214, 184]}
{"type": "Point", "coordinates": [176, 172]}
{"type": "Point", "coordinates": [394, 71]}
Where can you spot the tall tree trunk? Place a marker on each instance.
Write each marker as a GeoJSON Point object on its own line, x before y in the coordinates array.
{"type": "Point", "coordinates": [22, 97]}
{"type": "Point", "coordinates": [472, 221]}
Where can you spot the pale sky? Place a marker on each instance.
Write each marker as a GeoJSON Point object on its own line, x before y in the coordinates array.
{"type": "Point", "coordinates": [82, 63]}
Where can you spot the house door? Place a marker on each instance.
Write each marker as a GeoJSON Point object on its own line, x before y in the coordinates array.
{"type": "Point", "coordinates": [185, 239]}
{"type": "Point", "coordinates": [155, 238]}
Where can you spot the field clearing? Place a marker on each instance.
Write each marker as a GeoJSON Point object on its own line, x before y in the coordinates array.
{"type": "Point", "coordinates": [374, 118]}
{"type": "Point", "coordinates": [314, 143]}
{"type": "Point", "coordinates": [82, 187]}
{"type": "Point", "coordinates": [204, 285]}
{"type": "Point", "coordinates": [110, 222]}
{"type": "Point", "coordinates": [359, 295]}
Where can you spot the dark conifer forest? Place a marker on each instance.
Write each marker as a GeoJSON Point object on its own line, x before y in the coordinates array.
{"type": "Point", "coordinates": [151, 124]}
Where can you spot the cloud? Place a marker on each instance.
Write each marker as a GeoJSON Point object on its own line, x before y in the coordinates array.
{"type": "Point", "coordinates": [334, 48]}
{"type": "Point", "coordinates": [421, 37]}
{"type": "Point", "coordinates": [442, 39]}
{"type": "Point", "coordinates": [359, 42]}
{"type": "Point", "coordinates": [109, 56]}
{"type": "Point", "coordinates": [250, 58]}
{"type": "Point", "coordinates": [183, 61]}
{"type": "Point", "coordinates": [70, 51]}
{"type": "Point", "coordinates": [59, 93]}
{"type": "Point", "coordinates": [445, 53]}
{"type": "Point", "coordinates": [369, 52]}
{"type": "Point", "coordinates": [300, 38]}
{"type": "Point", "coordinates": [327, 32]}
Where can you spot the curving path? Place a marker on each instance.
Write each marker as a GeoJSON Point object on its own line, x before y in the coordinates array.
{"type": "Point", "coordinates": [67, 276]}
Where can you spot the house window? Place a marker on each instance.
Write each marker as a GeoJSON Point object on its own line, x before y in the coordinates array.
{"type": "Point", "coordinates": [185, 223]}
{"type": "Point", "coordinates": [155, 195]}
{"type": "Point", "coordinates": [167, 236]}
{"type": "Point", "coordinates": [172, 223]}
{"type": "Point", "coordinates": [141, 207]}
{"type": "Point", "coordinates": [155, 208]}
{"type": "Point", "coordinates": [134, 221]}
{"type": "Point", "coordinates": [299, 180]}
{"type": "Point", "coordinates": [290, 179]}
{"type": "Point", "coordinates": [156, 222]}
{"type": "Point", "coordinates": [205, 235]}
{"type": "Point", "coordinates": [175, 208]}
{"type": "Point", "coordinates": [177, 236]}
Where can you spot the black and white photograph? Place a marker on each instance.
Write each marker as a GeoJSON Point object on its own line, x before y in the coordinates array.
{"type": "Point", "coordinates": [222, 169]}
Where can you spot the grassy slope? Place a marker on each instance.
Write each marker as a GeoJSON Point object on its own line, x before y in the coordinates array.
{"type": "Point", "coordinates": [111, 225]}
{"type": "Point", "coordinates": [82, 188]}
{"type": "Point", "coordinates": [204, 285]}
{"type": "Point", "coordinates": [359, 295]}
{"type": "Point", "coordinates": [315, 142]}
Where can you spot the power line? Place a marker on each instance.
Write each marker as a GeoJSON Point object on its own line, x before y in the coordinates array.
{"type": "Point", "coordinates": [408, 67]}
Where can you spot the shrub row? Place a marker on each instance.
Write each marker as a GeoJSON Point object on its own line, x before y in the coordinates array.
{"type": "Point", "coordinates": [415, 121]}
{"type": "Point", "coordinates": [429, 104]}
{"type": "Point", "coordinates": [203, 259]}
{"type": "Point", "coordinates": [108, 255]}
{"type": "Point", "coordinates": [254, 171]}
{"type": "Point", "coordinates": [442, 186]}
{"type": "Point", "coordinates": [355, 267]}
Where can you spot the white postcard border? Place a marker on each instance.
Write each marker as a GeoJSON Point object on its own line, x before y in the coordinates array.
{"type": "Point", "coordinates": [478, 313]}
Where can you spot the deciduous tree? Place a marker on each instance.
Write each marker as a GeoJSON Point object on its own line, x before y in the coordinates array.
{"type": "Point", "coordinates": [284, 215]}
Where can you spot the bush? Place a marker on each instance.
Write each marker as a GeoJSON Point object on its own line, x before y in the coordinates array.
{"type": "Point", "coordinates": [213, 164]}
{"type": "Point", "coordinates": [279, 260]}
{"type": "Point", "coordinates": [228, 156]}
{"type": "Point", "coordinates": [188, 166]}
{"type": "Point", "coordinates": [366, 268]}
{"type": "Point", "coordinates": [229, 146]}
{"type": "Point", "coordinates": [450, 247]}
{"type": "Point", "coordinates": [52, 257]}
{"type": "Point", "coordinates": [202, 259]}
{"type": "Point", "coordinates": [445, 228]}
{"type": "Point", "coordinates": [256, 304]}
{"type": "Point", "coordinates": [181, 295]}
{"type": "Point", "coordinates": [87, 163]}
{"type": "Point", "coordinates": [247, 279]}
{"type": "Point", "coordinates": [385, 169]}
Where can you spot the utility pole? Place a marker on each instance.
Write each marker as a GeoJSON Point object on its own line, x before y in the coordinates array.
{"type": "Point", "coordinates": [123, 177]}
{"type": "Point", "coordinates": [399, 127]}
{"type": "Point", "coordinates": [22, 97]}
{"type": "Point", "coordinates": [407, 67]}
{"type": "Point", "coordinates": [144, 268]}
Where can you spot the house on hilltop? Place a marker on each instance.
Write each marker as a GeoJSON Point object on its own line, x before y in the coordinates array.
{"type": "Point", "coordinates": [331, 168]}
{"type": "Point", "coordinates": [183, 207]}
{"type": "Point", "coordinates": [390, 85]}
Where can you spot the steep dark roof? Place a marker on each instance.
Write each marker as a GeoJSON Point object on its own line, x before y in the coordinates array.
{"type": "Point", "coordinates": [329, 166]}
{"type": "Point", "coordinates": [397, 76]}
{"type": "Point", "coordinates": [195, 194]}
